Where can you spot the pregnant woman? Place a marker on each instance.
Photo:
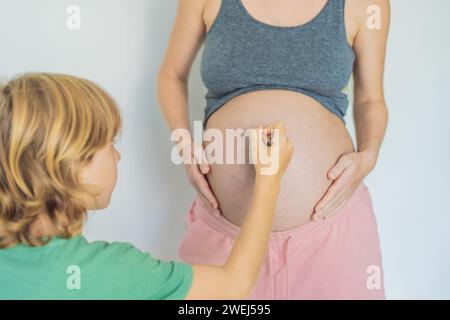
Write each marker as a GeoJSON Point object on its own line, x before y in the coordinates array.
{"type": "Point", "coordinates": [290, 61]}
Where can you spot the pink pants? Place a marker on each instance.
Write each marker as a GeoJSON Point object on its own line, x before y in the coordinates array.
{"type": "Point", "coordinates": [336, 258]}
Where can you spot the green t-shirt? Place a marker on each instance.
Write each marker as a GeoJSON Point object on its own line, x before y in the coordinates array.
{"type": "Point", "coordinates": [77, 269]}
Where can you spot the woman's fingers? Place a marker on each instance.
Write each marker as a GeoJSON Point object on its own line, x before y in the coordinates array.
{"type": "Point", "coordinates": [202, 186]}
{"type": "Point", "coordinates": [204, 168]}
{"type": "Point", "coordinates": [199, 155]}
{"type": "Point", "coordinates": [341, 179]}
{"type": "Point", "coordinates": [327, 198]}
{"type": "Point", "coordinates": [204, 200]}
{"type": "Point", "coordinates": [339, 167]}
{"type": "Point", "coordinates": [331, 205]}
{"type": "Point", "coordinates": [341, 201]}
{"type": "Point", "coordinates": [204, 164]}
{"type": "Point", "coordinates": [197, 169]}
{"type": "Point", "coordinates": [331, 197]}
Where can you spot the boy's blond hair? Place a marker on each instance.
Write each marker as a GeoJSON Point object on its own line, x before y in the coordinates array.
{"type": "Point", "coordinates": [49, 124]}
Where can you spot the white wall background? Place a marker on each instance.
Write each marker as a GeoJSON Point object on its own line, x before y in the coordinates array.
{"type": "Point", "coordinates": [120, 46]}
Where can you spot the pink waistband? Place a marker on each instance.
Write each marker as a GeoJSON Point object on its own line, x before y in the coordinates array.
{"type": "Point", "coordinates": [216, 220]}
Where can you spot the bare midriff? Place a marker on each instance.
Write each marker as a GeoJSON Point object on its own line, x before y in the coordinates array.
{"type": "Point", "coordinates": [319, 138]}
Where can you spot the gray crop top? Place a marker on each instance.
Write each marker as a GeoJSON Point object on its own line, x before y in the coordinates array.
{"type": "Point", "coordinates": [242, 54]}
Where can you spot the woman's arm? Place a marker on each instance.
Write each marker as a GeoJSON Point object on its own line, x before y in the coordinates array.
{"type": "Point", "coordinates": [235, 279]}
{"type": "Point", "coordinates": [186, 38]}
{"type": "Point", "coordinates": [370, 111]}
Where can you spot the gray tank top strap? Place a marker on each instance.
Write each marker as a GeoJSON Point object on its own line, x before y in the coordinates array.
{"type": "Point", "coordinates": [229, 13]}
{"type": "Point", "coordinates": [337, 17]}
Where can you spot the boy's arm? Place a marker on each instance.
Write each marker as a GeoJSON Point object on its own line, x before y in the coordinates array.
{"type": "Point", "coordinates": [234, 280]}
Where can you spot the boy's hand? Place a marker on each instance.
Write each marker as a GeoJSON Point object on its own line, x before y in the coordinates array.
{"type": "Point", "coordinates": [271, 150]}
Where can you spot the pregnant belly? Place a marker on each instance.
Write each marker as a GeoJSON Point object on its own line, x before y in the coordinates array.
{"type": "Point", "coordinates": [318, 136]}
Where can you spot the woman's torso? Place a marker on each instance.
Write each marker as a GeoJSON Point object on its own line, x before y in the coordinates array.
{"type": "Point", "coordinates": [317, 132]}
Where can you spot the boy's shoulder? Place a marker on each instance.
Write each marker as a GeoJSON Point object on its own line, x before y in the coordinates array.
{"type": "Point", "coordinates": [100, 249]}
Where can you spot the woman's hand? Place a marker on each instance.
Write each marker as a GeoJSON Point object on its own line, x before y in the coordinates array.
{"type": "Point", "coordinates": [196, 170]}
{"type": "Point", "coordinates": [347, 174]}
